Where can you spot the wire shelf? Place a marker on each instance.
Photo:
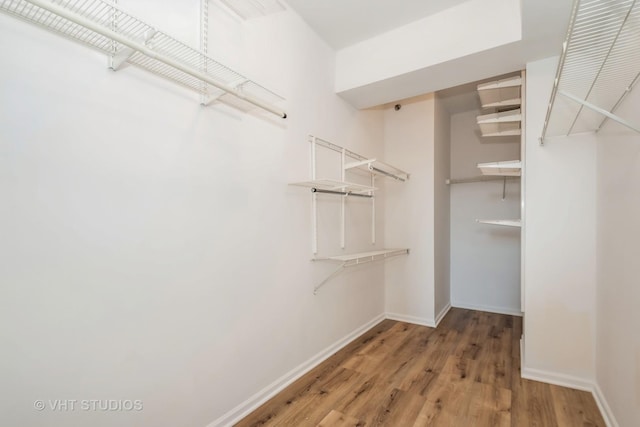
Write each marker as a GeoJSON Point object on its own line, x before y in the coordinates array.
{"type": "Point", "coordinates": [330, 185]}
{"type": "Point", "coordinates": [507, 123]}
{"type": "Point", "coordinates": [363, 257]}
{"type": "Point", "coordinates": [501, 93]}
{"type": "Point", "coordinates": [600, 64]}
{"type": "Point", "coordinates": [97, 24]}
{"type": "Point", "coordinates": [504, 168]}
{"type": "Point", "coordinates": [378, 168]}
{"type": "Point", "coordinates": [502, 222]}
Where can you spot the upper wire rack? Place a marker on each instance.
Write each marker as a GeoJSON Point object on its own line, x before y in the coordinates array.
{"type": "Point", "coordinates": [108, 16]}
{"type": "Point", "coordinates": [599, 65]}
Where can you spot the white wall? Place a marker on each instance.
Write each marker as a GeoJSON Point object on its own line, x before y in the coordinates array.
{"type": "Point", "coordinates": [442, 214]}
{"type": "Point", "coordinates": [618, 340]}
{"type": "Point", "coordinates": [409, 210]}
{"type": "Point", "coordinates": [151, 247]}
{"type": "Point", "coordinates": [560, 251]}
{"type": "Point", "coordinates": [485, 259]}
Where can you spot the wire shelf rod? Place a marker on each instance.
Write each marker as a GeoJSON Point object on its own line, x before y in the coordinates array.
{"type": "Point", "coordinates": [94, 22]}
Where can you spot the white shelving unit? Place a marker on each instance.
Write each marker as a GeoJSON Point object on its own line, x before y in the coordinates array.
{"type": "Point", "coordinates": [104, 26]}
{"type": "Point", "coordinates": [378, 168]}
{"type": "Point", "coordinates": [505, 123]}
{"type": "Point", "coordinates": [501, 93]}
{"type": "Point", "coordinates": [599, 66]}
{"type": "Point", "coordinates": [502, 222]}
{"type": "Point", "coordinates": [345, 189]}
{"type": "Point", "coordinates": [351, 260]}
{"type": "Point", "coordinates": [505, 168]}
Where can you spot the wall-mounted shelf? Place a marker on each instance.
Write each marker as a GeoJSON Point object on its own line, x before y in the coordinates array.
{"type": "Point", "coordinates": [505, 168]}
{"type": "Point", "coordinates": [502, 222]}
{"type": "Point", "coordinates": [378, 168]}
{"type": "Point", "coordinates": [501, 93]}
{"type": "Point", "coordinates": [505, 123]}
{"type": "Point", "coordinates": [372, 168]}
{"type": "Point", "coordinates": [350, 260]}
{"type": "Point", "coordinates": [599, 66]}
{"type": "Point", "coordinates": [336, 187]}
{"type": "Point", "coordinates": [107, 28]}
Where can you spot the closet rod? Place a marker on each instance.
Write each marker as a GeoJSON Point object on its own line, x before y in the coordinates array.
{"type": "Point", "coordinates": [478, 179]}
{"type": "Point", "coordinates": [106, 32]}
{"type": "Point", "coordinates": [343, 193]}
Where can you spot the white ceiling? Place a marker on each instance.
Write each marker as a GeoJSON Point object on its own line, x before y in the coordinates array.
{"type": "Point", "coordinates": [342, 23]}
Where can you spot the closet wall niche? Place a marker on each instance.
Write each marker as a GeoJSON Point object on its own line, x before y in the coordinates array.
{"type": "Point", "coordinates": [486, 195]}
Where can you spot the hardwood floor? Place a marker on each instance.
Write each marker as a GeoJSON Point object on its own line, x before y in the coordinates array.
{"type": "Point", "coordinates": [464, 373]}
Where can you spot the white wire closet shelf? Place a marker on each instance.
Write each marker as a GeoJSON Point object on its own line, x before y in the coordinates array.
{"type": "Point", "coordinates": [378, 168]}
{"type": "Point", "coordinates": [502, 222]}
{"type": "Point", "coordinates": [249, 9]}
{"type": "Point", "coordinates": [501, 93]}
{"type": "Point", "coordinates": [599, 66]}
{"type": "Point", "coordinates": [506, 123]}
{"type": "Point", "coordinates": [105, 27]}
{"type": "Point", "coordinates": [504, 168]}
{"type": "Point", "coordinates": [350, 260]}
{"type": "Point", "coordinates": [336, 187]}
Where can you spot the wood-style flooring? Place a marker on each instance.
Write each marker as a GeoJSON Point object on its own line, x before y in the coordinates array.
{"type": "Point", "coordinates": [464, 373]}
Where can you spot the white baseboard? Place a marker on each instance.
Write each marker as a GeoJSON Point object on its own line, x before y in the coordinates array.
{"type": "Point", "coordinates": [557, 379]}
{"type": "Point", "coordinates": [411, 319]}
{"type": "Point", "coordinates": [604, 407]}
{"type": "Point", "coordinates": [487, 308]}
{"type": "Point", "coordinates": [443, 313]}
{"type": "Point", "coordinates": [251, 404]}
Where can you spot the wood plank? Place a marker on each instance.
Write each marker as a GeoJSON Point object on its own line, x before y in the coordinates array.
{"type": "Point", "coordinates": [577, 407]}
{"type": "Point", "coordinates": [464, 373]}
{"type": "Point", "coordinates": [338, 419]}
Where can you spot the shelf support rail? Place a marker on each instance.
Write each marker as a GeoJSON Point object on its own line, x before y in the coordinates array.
{"type": "Point", "coordinates": [599, 110]}
{"type": "Point", "coordinates": [136, 46]}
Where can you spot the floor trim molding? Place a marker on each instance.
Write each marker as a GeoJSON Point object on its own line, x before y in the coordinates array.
{"type": "Point", "coordinates": [251, 404]}
{"type": "Point", "coordinates": [604, 407]}
{"type": "Point", "coordinates": [411, 319]}
{"type": "Point", "coordinates": [443, 313]}
{"type": "Point", "coordinates": [488, 309]}
{"type": "Point", "coordinates": [557, 379]}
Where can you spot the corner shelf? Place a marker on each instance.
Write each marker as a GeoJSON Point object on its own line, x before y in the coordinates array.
{"type": "Point", "coordinates": [504, 168]}
{"type": "Point", "coordinates": [505, 123]}
{"type": "Point", "coordinates": [502, 222]}
{"type": "Point", "coordinates": [103, 26]}
{"type": "Point", "coordinates": [350, 260]}
{"type": "Point", "coordinates": [501, 93]}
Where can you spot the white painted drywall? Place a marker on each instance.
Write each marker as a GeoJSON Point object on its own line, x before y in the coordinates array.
{"type": "Point", "coordinates": [485, 259]}
{"type": "Point", "coordinates": [442, 214]}
{"type": "Point", "coordinates": [151, 248]}
{"type": "Point", "coordinates": [618, 317]}
{"type": "Point", "coordinates": [409, 209]}
{"type": "Point", "coordinates": [560, 252]}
